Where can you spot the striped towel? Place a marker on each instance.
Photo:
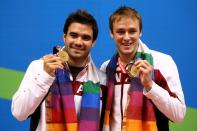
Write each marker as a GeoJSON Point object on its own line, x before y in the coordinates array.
{"type": "Point", "coordinates": [60, 106]}
{"type": "Point", "coordinates": [139, 115]}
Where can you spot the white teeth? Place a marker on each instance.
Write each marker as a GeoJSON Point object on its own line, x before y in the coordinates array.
{"type": "Point", "coordinates": [127, 43]}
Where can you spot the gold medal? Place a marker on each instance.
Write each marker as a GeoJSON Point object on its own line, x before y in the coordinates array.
{"type": "Point", "coordinates": [132, 70]}
{"type": "Point", "coordinates": [63, 55]}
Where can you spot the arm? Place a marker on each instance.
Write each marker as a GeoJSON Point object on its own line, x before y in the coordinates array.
{"type": "Point", "coordinates": [104, 66]}
{"type": "Point", "coordinates": [170, 104]}
{"type": "Point", "coordinates": [32, 90]}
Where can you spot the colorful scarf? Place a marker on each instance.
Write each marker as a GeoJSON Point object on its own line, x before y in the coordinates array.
{"type": "Point", "coordinates": [139, 114]}
{"type": "Point", "coordinates": [60, 106]}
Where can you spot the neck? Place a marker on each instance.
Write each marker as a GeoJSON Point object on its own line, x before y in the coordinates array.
{"type": "Point", "coordinates": [126, 58]}
{"type": "Point", "coordinates": [77, 62]}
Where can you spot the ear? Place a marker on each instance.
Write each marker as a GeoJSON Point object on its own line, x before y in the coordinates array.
{"type": "Point", "coordinates": [111, 34]}
{"type": "Point", "coordinates": [64, 37]}
{"type": "Point", "coordinates": [140, 34]}
{"type": "Point", "coordinates": [93, 43]}
{"type": "Point", "coordinates": [65, 43]}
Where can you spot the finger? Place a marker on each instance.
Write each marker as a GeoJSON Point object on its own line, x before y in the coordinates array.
{"type": "Point", "coordinates": [143, 70]}
{"type": "Point", "coordinates": [54, 65]}
{"type": "Point", "coordinates": [137, 62]}
{"type": "Point", "coordinates": [143, 64]}
{"type": "Point", "coordinates": [47, 56]}
{"type": "Point", "coordinates": [146, 62]}
{"type": "Point", "coordinates": [52, 59]}
{"type": "Point", "coordinates": [50, 68]}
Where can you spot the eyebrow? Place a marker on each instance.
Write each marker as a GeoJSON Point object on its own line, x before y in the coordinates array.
{"type": "Point", "coordinates": [83, 35]}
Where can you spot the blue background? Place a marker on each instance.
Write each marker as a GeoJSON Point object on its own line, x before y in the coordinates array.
{"type": "Point", "coordinates": [30, 28]}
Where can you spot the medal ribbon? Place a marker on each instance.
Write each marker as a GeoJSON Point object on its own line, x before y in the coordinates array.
{"type": "Point", "coordinates": [122, 68]}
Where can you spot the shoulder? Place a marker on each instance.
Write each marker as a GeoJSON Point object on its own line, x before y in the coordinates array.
{"type": "Point", "coordinates": [165, 64]}
{"type": "Point", "coordinates": [102, 76]}
{"type": "Point", "coordinates": [160, 55]}
{"type": "Point", "coordinates": [161, 60]}
{"type": "Point", "coordinates": [36, 67]}
{"type": "Point", "coordinates": [36, 64]}
{"type": "Point", "coordinates": [104, 66]}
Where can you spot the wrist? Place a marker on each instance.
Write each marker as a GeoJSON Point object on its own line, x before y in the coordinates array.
{"type": "Point", "coordinates": [148, 87]}
{"type": "Point", "coordinates": [50, 72]}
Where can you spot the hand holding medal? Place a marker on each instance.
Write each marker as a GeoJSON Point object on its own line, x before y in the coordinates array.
{"type": "Point", "coordinates": [132, 70]}
{"type": "Point", "coordinates": [54, 62]}
{"type": "Point", "coordinates": [63, 55]}
{"type": "Point", "coordinates": [145, 71]}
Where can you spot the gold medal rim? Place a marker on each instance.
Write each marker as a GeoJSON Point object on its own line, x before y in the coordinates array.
{"type": "Point", "coordinates": [131, 70]}
{"type": "Point", "coordinates": [63, 55]}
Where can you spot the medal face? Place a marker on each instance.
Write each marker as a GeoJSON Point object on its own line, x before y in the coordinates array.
{"type": "Point", "coordinates": [132, 70]}
{"type": "Point", "coordinates": [63, 55]}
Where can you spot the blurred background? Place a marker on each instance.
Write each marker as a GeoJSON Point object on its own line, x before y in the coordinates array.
{"type": "Point", "coordinates": [30, 28]}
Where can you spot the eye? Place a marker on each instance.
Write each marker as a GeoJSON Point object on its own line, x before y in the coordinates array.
{"type": "Point", "coordinates": [120, 32]}
{"type": "Point", "coordinates": [132, 31]}
{"type": "Point", "coordinates": [86, 37]}
{"type": "Point", "coordinates": [73, 35]}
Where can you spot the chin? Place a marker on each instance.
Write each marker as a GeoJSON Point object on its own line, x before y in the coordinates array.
{"type": "Point", "coordinates": [126, 53]}
{"type": "Point", "coordinates": [79, 56]}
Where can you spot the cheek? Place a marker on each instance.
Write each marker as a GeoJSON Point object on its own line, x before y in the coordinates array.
{"type": "Point", "coordinates": [136, 36]}
{"type": "Point", "coordinates": [118, 39]}
{"type": "Point", "coordinates": [67, 41]}
{"type": "Point", "coordinates": [88, 45]}
{"type": "Point", "coordinates": [118, 45]}
{"type": "Point", "coordinates": [68, 44]}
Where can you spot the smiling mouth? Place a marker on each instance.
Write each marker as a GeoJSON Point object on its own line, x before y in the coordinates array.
{"type": "Point", "coordinates": [76, 48]}
{"type": "Point", "coordinates": [79, 48]}
{"type": "Point", "coordinates": [127, 43]}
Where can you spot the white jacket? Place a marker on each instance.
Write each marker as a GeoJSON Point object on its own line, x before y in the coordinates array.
{"type": "Point", "coordinates": [173, 108]}
{"type": "Point", "coordinates": [33, 89]}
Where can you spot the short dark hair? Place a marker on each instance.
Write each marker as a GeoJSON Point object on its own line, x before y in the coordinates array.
{"type": "Point", "coordinates": [124, 11]}
{"type": "Point", "coordinates": [82, 17]}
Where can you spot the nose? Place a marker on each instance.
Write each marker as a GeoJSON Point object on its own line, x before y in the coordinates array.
{"type": "Point", "coordinates": [126, 36]}
{"type": "Point", "coordinates": [78, 41]}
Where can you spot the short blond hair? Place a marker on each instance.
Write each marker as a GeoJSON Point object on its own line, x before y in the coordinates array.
{"type": "Point", "coordinates": [124, 11]}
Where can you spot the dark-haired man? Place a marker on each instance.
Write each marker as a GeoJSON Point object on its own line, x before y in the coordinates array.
{"type": "Point", "coordinates": [62, 92]}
